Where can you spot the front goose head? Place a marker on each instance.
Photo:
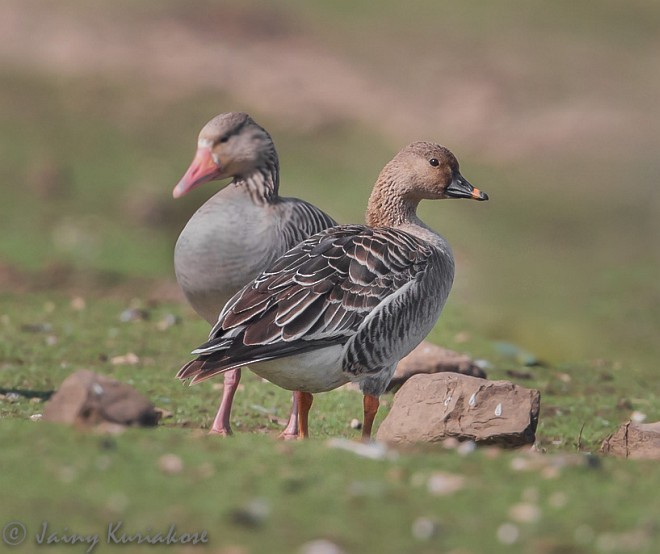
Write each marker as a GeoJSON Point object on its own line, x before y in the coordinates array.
{"type": "Point", "coordinates": [421, 170]}
{"type": "Point", "coordinates": [432, 173]}
{"type": "Point", "coordinates": [230, 145]}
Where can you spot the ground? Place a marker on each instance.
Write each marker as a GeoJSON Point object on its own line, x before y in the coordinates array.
{"type": "Point", "coordinates": [548, 108]}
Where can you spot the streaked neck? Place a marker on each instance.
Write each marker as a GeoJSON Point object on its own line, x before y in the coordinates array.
{"type": "Point", "coordinates": [263, 183]}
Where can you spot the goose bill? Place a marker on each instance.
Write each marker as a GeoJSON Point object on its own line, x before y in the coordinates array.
{"type": "Point", "coordinates": [202, 170]}
{"type": "Point", "coordinates": [460, 187]}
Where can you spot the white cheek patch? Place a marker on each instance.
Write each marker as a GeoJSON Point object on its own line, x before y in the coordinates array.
{"type": "Point", "coordinates": [204, 143]}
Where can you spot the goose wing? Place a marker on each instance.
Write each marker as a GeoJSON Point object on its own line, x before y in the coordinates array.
{"type": "Point", "coordinates": [317, 294]}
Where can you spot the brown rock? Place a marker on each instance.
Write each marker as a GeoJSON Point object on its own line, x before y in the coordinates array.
{"type": "Point", "coordinates": [430, 358]}
{"type": "Point", "coordinates": [638, 441]}
{"type": "Point", "coordinates": [85, 398]}
{"type": "Point", "coordinates": [431, 408]}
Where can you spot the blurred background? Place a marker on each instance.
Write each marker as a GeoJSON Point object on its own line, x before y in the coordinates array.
{"type": "Point", "coordinates": [551, 108]}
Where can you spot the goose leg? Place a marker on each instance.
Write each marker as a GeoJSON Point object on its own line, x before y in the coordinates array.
{"type": "Point", "coordinates": [291, 430]}
{"type": "Point", "coordinates": [370, 404]}
{"type": "Point", "coordinates": [305, 400]}
{"type": "Point", "coordinates": [221, 422]}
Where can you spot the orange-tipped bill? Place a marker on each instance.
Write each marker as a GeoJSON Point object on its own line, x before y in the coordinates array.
{"type": "Point", "coordinates": [202, 170]}
{"type": "Point", "coordinates": [460, 187]}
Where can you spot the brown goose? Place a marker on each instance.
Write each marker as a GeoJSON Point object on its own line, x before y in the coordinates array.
{"type": "Point", "coordinates": [349, 302]}
{"type": "Point", "coordinates": [241, 230]}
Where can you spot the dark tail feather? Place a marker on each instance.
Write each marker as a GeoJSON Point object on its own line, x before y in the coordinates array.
{"type": "Point", "coordinates": [201, 369]}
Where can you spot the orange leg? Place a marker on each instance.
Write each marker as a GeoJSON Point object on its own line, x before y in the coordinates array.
{"type": "Point", "coordinates": [370, 409]}
{"type": "Point", "coordinates": [221, 423]}
{"type": "Point", "coordinates": [291, 430]}
{"type": "Point", "coordinates": [305, 400]}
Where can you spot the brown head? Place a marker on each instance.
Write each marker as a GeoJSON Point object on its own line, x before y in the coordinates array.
{"type": "Point", "coordinates": [230, 145]}
{"type": "Point", "coordinates": [421, 170]}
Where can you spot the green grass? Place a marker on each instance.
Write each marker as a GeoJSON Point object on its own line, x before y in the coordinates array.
{"type": "Point", "coordinates": [84, 481]}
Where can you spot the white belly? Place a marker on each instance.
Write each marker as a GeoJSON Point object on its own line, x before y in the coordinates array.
{"type": "Point", "coordinates": [316, 371]}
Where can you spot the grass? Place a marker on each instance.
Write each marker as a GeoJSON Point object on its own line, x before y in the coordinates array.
{"type": "Point", "coordinates": [561, 261]}
{"type": "Point", "coordinates": [256, 493]}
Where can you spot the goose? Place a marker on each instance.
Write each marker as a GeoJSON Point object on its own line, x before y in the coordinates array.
{"type": "Point", "coordinates": [346, 304]}
{"type": "Point", "coordinates": [239, 231]}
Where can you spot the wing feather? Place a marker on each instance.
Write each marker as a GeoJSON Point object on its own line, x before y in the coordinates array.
{"type": "Point", "coordinates": [317, 294]}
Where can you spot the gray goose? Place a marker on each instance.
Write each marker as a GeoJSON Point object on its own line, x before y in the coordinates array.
{"type": "Point", "coordinates": [349, 302]}
{"type": "Point", "coordinates": [241, 230]}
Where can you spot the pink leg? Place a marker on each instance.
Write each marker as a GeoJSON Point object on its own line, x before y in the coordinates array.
{"type": "Point", "coordinates": [221, 422]}
{"type": "Point", "coordinates": [291, 430]}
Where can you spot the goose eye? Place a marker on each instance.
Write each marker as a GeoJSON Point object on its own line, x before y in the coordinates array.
{"type": "Point", "coordinates": [434, 162]}
{"type": "Point", "coordinates": [224, 138]}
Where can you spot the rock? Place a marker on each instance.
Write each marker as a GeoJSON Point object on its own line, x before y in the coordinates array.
{"type": "Point", "coordinates": [431, 408]}
{"type": "Point", "coordinates": [85, 398]}
{"type": "Point", "coordinates": [638, 441]}
{"type": "Point", "coordinates": [430, 358]}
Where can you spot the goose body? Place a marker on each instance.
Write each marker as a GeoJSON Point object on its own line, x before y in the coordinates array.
{"type": "Point", "coordinates": [239, 231]}
{"type": "Point", "coordinates": [347, 303]}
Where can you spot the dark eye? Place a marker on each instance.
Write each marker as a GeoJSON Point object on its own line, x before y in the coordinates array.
{"type": "Point", "coordinates": [224, 138]}
{"type": "Point", "coordinates": [434, 162]}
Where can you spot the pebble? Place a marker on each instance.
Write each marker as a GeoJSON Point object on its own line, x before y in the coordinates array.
{"type": "Point", "coordinates": [170, 320]}
{"type": "Point", "coordinates": [126, 359]}
{"type": "Point", "coordinates": [508, 533]}
{"type": "Point", "coordinates": [356, 424]}
{"type": "Point", "coordinates": [372, 450]}
{"type": "Point", "coordinates": [253, 514]}
{"type": "Point", "coordinates": [320, 546]}
{"type": "Point", "coordinates": [78, 304]}
{"type": "Point", "coordinates": [638, 417]}
{"type": "Point", "coordinates": [443, 484]}
{"type": "Point", "coordinates": [424, 528]}
{"type": "Point", "coordinates": [525, 512]}
{"type": "Point", "coordinates": [133, 314]}
{"type": "Point", "coordinates": [170, 464]}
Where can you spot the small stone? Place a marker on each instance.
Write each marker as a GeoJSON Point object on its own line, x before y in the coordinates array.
{"type": "Point", "coordinates": [37, 328]}
{"type": "Point", "coordinates": [466, 447]}
{"type": "Point", "coordinates": [133, 314]}
{"type": "Point", "coordinates": [253, 514]}
{"type": "Point", "coordinates": [429, 358]}
{"type": "Point", "coordinates": [424, 529]}
{"type": "Point", "coordinates": [356, 424]}
{"type": "Point", "coordinates": [51, 340]}
{"type": "Point", "coordinates": [78, 304]}
{"type": "Point", "coordinates": [170, 320]}
{"type": "Point", "coordinates": [320, 546]}
{"type": "Point", "coordinates": [431, 408]}
{"type": "Point", "coordinates": [443, 484]}
{"type": "Point", "coordinates": [170, 464]}
{"type": "Point", "coordinates": [127, 359]}
{"type": "Point", "coordinates": [372, 450]}
{"type": "Point", "coordinates": [525, 512]}
{"type": "Point", "coordinates": [36, 417]}
{"type": "Point", "coordinates": [12, 397]}
{"type": "Point", "coordinates": [638, 417]}
{"type": "Point", "coordinates": [87, 399]}
{"type": "Point", "coordinates": [635, 441]}
{"type": "Point", "coordinates": [508, 533]}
